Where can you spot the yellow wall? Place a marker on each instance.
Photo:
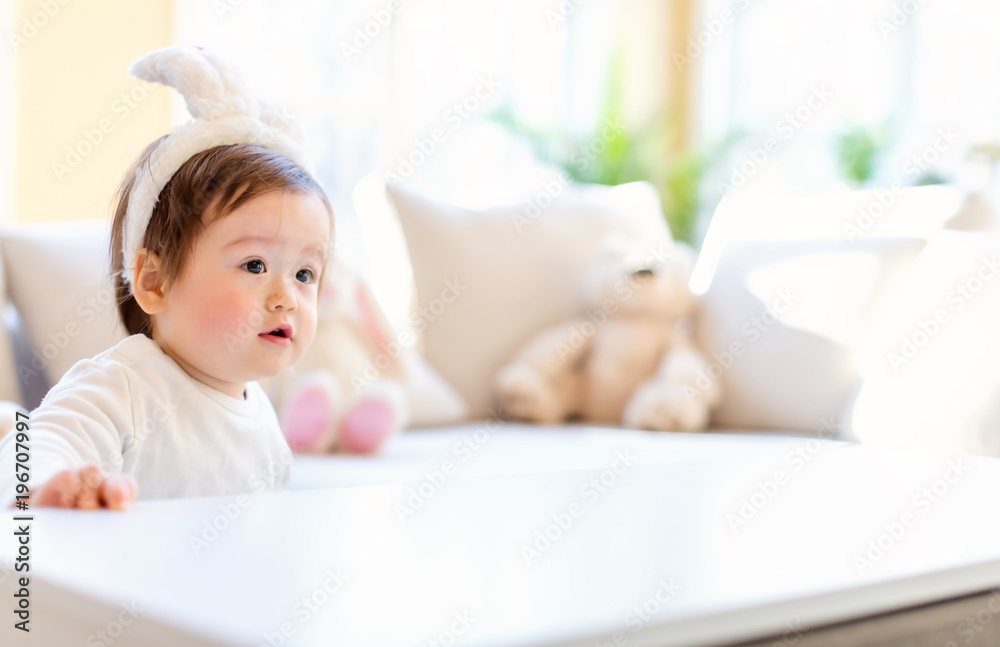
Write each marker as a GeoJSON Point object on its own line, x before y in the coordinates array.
{"type": "Point", "coordinates": [72, 80]}
{"type": "Point", "coordinates": [652, 31]}
{"type": "Point", "coordinates": [8, 12]}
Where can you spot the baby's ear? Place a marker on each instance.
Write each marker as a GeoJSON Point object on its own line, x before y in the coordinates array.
{"type": "Point", "coordinates": [148, 284]}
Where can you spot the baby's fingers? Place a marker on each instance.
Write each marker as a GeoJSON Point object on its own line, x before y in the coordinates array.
{"type": "Point", "coordinates": [85, 488]}
{"type": "Point", "coordinates": [59, 492]}
{"type": "Point", "coordinates": [118, 492]}
{"type": "Point", "coordinates": [89, 492]}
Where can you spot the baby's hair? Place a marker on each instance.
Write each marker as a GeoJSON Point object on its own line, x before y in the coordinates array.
{"type": "Point", "coordinates": [213, 183]}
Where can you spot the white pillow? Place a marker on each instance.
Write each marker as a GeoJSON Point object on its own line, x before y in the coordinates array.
{"type": "Point", "coordinates": [849, 216]}
{"type": "Point", "coordinates": [433, 402]}
{"type": "Point", "coordinates": [58, 276]}
{"type": "Point", "coordinates": [9, 387]}
{"type": "Point", "coordinates": [489, 279]}
{"type": "Point", "coordinates": [931, 377]}
{"type": "Point", "coordinates": [848, 220]}
{"type": "Point", "coordinates": [781, 320]}
{"type": "Point", "coordinates": [977, 213]}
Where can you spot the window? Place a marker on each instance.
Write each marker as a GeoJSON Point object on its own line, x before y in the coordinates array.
{"type": "Point", "coordinates": [915, 78]}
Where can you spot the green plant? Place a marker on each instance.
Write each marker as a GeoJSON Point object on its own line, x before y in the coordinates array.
{"type": "Point", "coordinates": [858, 149]}
{"type": "Point", "coordinates": [614, 153]}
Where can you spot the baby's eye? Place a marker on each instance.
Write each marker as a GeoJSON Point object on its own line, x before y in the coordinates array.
{"type": "Point", "coordinates": [304, 276]}
{"type": "Point", "coordinates": [256, 266]}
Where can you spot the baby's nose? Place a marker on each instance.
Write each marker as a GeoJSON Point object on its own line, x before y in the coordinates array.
{"type": "Point", "coordinates": [281, 297]}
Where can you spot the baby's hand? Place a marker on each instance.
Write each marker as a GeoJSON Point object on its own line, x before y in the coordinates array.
{"type": "Point", "coordinates": [85, 488]}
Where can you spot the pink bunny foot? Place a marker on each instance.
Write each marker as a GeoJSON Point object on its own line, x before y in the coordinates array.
{"type": "Point", "coordinates": [309, 416]}
{"type": "Point", "coordinates": [379, 413]}
{"type": "Point", "coordinates": [366, 426]}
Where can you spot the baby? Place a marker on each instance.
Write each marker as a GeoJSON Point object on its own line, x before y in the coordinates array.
{"type": "Point", "coordinates": [218, 246]}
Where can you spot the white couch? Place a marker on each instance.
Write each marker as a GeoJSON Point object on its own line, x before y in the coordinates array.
{"type": "Point", "coordinates": [802, 300]}
{"type": "Point", "coordinates": [793, 295]}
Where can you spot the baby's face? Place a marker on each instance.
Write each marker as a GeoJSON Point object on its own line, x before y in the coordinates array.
{"type": "Point", "coordinates": [244, 306]}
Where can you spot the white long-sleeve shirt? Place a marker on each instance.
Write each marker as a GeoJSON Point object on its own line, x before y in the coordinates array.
{"type": "Point", "coordinates": [133, 410]}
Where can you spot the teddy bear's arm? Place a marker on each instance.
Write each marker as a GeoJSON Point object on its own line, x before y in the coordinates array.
{"type": "Point", "coordinates": [679, 397]}
{"type": "Point", "coordinates": [542, 383]}
{"type": "Point", "coordinates": [560, 349]}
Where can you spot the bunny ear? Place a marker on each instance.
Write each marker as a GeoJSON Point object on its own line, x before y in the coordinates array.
{"type": "Point", "coordinates": [237, 95]}
{"type": "Point", "coordinates": [210, 88]}
{"type": "Point", "coordinates": [279, 120]}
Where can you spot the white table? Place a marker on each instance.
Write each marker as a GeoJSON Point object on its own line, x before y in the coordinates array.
{"type": "Point", "coordinates": [653, 558]}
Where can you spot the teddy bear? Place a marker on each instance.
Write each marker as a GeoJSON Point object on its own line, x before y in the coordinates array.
{"type": "Point", "coordinates": [357, 384]}
{"type": "Point", "coordinates": [628, 359]}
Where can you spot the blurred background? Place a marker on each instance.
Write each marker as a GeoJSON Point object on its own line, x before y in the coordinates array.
{"type": "Point", "coordinates": [473, 98]}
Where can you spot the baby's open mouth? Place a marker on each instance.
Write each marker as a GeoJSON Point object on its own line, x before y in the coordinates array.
{"type": "Point", "coordinates": [283, 331]}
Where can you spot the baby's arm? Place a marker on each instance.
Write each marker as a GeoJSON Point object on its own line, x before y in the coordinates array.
{"type": "Point", "coordinates": [75, 441]}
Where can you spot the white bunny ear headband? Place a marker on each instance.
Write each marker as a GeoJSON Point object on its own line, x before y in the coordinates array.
{"type": "Point", "coordinates": [224, 113]}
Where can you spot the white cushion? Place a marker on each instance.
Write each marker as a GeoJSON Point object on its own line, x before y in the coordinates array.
{"type": "Point", "coordinates": [58, 275]}
{"type": "Point", "coordinates": [9, 389]}
{"type": "Point", "coordinates": [847, 216]}
{"type": "Point", "coordinates": [930, 369]}
{"type": "Point", "coordinates": [433, 402]}
{"type": "Point", "coordinates": [977, 213]}
{"type": "Point", "coordinates": [488, 279]}
{"type": "Point", "coordinates": [781, 321]}
{"type": "Point", "coordinates": [802, 370]}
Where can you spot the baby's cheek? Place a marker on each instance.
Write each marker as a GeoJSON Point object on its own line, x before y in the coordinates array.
{"type": "Point", "coordinates": [307, 321]}
{"type": "Point", "coordinates": [229, 316]}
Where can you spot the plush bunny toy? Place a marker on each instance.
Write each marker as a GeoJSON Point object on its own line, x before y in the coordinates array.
{"type": "Point", "coordinates": [627, 360]}
{"type": "Point", "coordinates": [358, 384]}
{"type": "Point", "coordinates": [346, 392]}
